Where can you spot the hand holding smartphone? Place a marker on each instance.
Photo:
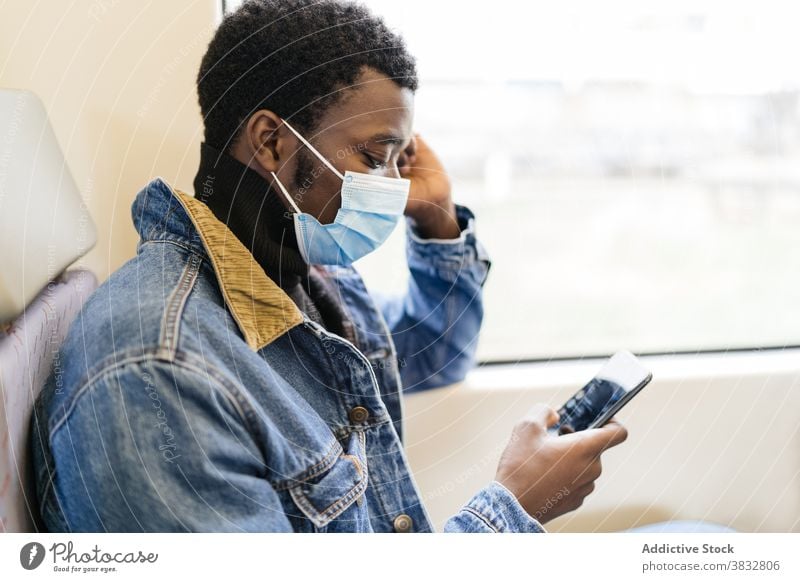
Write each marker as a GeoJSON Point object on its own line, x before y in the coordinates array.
{"type": "Point", "coordinates": [621, 378]}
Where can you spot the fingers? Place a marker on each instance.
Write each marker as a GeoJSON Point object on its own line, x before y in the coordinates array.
{"type": "Point", "coordinates": [584, 490]}
{"type": "Point", "coordinates": [605, 437]}
{"type": "Point", "coordinates": [413, 145]}
{"type": "Point", "coordinates": [591, 471]}
{"type": "Point", "coordinates": [419, 150]}
{"type": "Point", "coordinates": [416, 143]}
{"type": "Point", "coordinates": [576, 496]}
{"type": "Point", "coordinates": [404, 163]}
{"type": "Point", "coordinates": [543, 415]}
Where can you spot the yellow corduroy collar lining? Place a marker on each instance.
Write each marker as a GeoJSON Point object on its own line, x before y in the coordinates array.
{"type": "Point", "coordinates": [262, 310]}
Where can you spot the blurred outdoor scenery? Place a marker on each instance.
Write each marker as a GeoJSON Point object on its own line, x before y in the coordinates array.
{"type": "Point", "coordinates": [634, 168]}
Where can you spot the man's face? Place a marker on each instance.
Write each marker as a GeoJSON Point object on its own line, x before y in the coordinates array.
{"type": "Point", "coordinates": [367, 131]}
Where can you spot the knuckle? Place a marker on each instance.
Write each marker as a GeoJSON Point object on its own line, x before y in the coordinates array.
{"type": "Point", "coordinates": [530, 424]}
{"type": "Point", "coordinates": [588, 448]}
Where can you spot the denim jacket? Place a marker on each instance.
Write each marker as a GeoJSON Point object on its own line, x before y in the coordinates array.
{"type": "Point", "coordinates": [198, 397]}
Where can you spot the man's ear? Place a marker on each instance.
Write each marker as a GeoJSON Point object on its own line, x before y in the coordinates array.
{"type": "Point", "coordinates": [264, 141]}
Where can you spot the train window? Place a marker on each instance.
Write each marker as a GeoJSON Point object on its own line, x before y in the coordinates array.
{"type": "Point", "coordinates": [642, 193]}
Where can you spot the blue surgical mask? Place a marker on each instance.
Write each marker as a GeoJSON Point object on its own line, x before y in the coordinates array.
{"type": "Point", "coordinates": [371, 208]}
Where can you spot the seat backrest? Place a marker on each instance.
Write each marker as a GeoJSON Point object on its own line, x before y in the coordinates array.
{"type": "Point", "coordinates": [44, 224]}
{"type": "Point", "coordinates": [28, 354]}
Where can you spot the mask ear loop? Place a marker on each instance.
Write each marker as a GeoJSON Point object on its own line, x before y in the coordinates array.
{"type": "Point", "coordinates": [322, 158]}
{"type": "Point", "coordinates": [286, 194]}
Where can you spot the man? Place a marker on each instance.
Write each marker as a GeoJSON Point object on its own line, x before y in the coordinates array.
{"type": "Point", "coordinates": [236, 375]}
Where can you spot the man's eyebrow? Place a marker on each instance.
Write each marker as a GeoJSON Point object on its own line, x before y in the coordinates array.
{"type": "Point", "coordinates": [389, 138]}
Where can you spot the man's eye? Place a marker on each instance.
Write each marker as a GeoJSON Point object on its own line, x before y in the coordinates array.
{"type": "Point", "coordinates": [373, 163]}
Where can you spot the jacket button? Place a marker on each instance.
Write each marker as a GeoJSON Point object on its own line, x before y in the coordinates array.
{"type": "Point", "coordinates": [402, 523]}
{"type": "Point", "coordinates": [358, 414]}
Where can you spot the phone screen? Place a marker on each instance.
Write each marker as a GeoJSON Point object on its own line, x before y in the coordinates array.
{"type": "Point", "coordinates": [618, 380]}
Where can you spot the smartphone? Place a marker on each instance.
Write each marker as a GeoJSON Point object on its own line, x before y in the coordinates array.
{"type": "Point", "coordinates": [618, 381]}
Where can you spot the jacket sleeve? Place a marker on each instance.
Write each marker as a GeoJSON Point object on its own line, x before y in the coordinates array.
{"type": "Point", "coordinates": [493, 509]}
{"type": "Point", "coordinates": [435, 324]}
{"type": "Point", "coordinates": [160, 446]}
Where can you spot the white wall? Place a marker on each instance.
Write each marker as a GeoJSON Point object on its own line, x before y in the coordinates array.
{"type": "Point", "coordinates": [117, 78]}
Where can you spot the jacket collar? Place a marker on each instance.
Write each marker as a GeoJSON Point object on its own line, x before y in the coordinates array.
{"type": "Point", "coordinates": [261, 309]}
{"type": "Point", "coordinates": [248, 205]}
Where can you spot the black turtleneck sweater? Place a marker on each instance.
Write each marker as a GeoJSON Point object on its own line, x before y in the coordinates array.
{"type": "Point", "coordinates": [242, 199]}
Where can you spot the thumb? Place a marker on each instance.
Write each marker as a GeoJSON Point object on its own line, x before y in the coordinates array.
{"type": "Point", "coordinates": [609, 435]}
{"type": "Point", "coordinates": [543, 415]}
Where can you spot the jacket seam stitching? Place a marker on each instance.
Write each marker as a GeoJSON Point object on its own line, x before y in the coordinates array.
{"type": "Point", "coordinates": [231, 392]}
{"type": "Point", "coordinates": [239, 401]}
{"type": "Point", "coordinates": [482, 517]}
{"type": "Point", "coordinates": [153, 229]}
{"type": "Point", "coordinates": [322, 517]}
{"type": "Point", "coordinates": [334, 452]}
{"type": "Point", "coordinates": [265, 340]}
{"type": "Point", "coordinates": [144, 358]}
{"type": "Point", "coordinates": [249, 335]}
{"type": "Point", "coordinates": [170, 326]}
{"type": "Point", "coordinates": [172, 241]}
{"type": "Point", "coordinates": [217, 383]}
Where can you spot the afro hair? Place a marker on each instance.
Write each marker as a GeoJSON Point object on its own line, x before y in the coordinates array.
{"type": "Point", "coordinates": [295, 58]}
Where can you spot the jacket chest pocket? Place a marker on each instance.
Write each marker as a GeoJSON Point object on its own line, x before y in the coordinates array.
{"type": "Point", "coordinates": [333, 499]}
